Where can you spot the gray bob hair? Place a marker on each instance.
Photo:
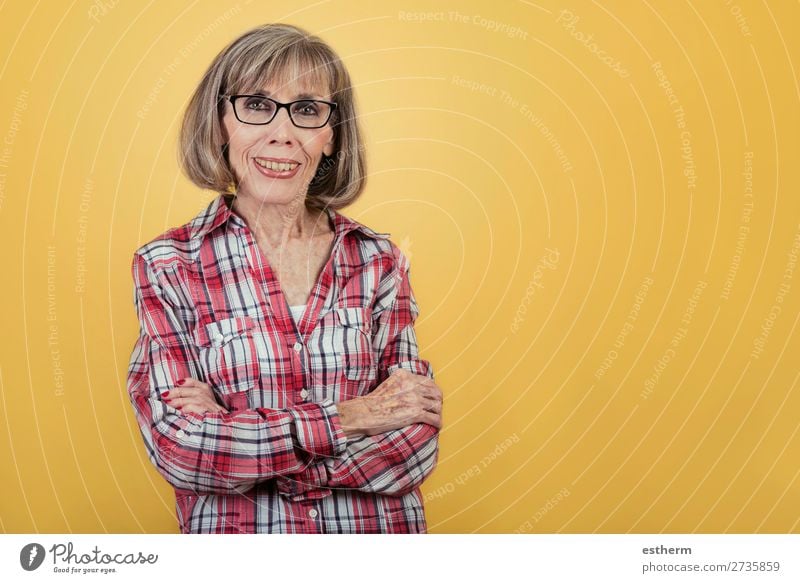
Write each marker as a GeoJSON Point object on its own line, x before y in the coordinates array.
{"type": "Point", "coordinates": [274, 53]}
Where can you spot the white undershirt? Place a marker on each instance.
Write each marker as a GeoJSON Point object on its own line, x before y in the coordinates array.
{"type": "Point", "coordinates": [297, 312]}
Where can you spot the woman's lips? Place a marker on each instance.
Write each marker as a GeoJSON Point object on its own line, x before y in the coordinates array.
{"type": "Point", "coordinates": [276, 173]}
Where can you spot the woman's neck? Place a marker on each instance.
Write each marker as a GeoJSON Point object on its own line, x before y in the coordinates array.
{"type": "Point", "coordinates": [281, 224]}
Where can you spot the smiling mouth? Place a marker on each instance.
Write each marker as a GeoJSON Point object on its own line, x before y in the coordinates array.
{"type": "Point", "coordinates": [277, 165]}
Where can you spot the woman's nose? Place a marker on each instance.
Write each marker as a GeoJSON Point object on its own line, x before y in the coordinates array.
{"type": "Point", "coordinates": [281, 128]}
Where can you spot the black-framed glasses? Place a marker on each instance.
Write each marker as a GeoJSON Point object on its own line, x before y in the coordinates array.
{"type": "Point", "coordinates": [260, 110]}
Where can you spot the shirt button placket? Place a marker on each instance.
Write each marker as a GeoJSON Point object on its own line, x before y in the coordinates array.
{"type": "Point", "coordinates": [298, 348]}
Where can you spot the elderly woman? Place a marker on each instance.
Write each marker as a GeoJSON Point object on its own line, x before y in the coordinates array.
{"type": "Point", "coordinates": [276, 379]}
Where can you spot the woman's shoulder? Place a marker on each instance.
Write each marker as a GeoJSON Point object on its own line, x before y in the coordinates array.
{"type": "Point", "coordinates": [175, 246]}
{"type": "Point", "coordinates": [379, 255]}
{"type": "Point", "coordinates": [370, 242]}
{"type": "Point", "coordinates": [178, 245]}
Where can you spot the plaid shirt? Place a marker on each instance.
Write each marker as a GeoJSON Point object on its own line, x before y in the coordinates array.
{"type": "Point", "coordinates": [210, 308]}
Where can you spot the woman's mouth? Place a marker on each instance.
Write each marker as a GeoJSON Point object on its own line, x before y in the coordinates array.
{"type": "Point", "coordinates": [276, 167]}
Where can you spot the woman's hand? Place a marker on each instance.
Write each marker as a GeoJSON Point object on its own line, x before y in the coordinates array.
{"type": "Point", "coordinates": [401, 400]}
{"type": "Point", "coordinates": [193, 396]}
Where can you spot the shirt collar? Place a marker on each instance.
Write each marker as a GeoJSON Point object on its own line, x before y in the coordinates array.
{"type": "Point", "coordinates": [219, 212]}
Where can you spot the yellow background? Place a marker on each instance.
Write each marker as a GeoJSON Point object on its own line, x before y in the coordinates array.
{"type": "Point", "coordinates": [642, 379]}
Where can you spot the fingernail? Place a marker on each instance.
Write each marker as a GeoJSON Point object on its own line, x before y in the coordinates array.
{"type": "Point", "coordinates": [180, 382]}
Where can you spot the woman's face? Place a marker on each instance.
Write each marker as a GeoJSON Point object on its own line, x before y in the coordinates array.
{"type": "Point", "coordinates": [279, 141]}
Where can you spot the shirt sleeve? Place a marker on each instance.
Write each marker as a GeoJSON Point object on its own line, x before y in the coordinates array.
{"type": "Point", "coordinates": [214, 452]}
{"type": "Point", "coordinates": [396, 462]}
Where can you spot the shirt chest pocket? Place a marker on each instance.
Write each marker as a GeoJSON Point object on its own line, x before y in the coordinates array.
{"type": "Point", "coordinates": [352, 337]}
{"type": "Point", "coordinates": [342, 362]}
{"type": "Point", "coordinates": [229, 355]}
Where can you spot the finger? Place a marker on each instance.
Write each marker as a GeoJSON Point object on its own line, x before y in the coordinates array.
{"type": "Point", "coordinates": [429, 389]}
{"type": "Point", "coordinates": [194, 408]}
{"type": "Point", "coordinates": [422, 416]}
{"type": "Point", "coordinates": [179, 396]}
{"type": "Point", "coordinates": [182, 402]}
{"type": "Point", "coordinates": [195, 393]}
{"type": "Point", "coordinates": [194, 383]}
{"type": "Point", "coordinates": [425, 381]}
{"type": "Point", "coordinates": [433, 399]}
{"type": "Point", "coordinates": [190, 393]}
{"type": "Point", "coordinates": [210, 406]}
{"type": "Point", "coordinates": [178, 392]}
{"type": "Point", "coordinates": [202, 407]}
{"type": "Point", "coordinates": [179, 402]}
{"type": "Point", "coordinates": [417, 417]}
{"type": "Point", "coordinates": [432, 419]}
{"type": "Point", "coordinates": [426, 400]}
{"type": "Point", "coordinates": [432, 393]}
{"type": "Point", "coordinates": [413, 387]}
{"type": "Point", "coordinates": [176, 402]}
{"type": "Point", "coordinates": [434, 407]}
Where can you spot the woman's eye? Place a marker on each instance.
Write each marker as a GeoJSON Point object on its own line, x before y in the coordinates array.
{"type": "Point", "coordinates": [306, 109]}
{"type": "Point", "coordinates": [258, 104]}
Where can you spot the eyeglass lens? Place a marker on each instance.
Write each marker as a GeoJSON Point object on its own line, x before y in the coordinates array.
{"type": "Point", "coordinates": [260, 110]}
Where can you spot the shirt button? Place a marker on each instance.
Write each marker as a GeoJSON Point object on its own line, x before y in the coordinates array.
{"type": "Point", "coordinates": [218, 338]}
{"type": "Point", "coordinates": [297, 347]}
{"type": "Point", "coordinates": [312, 513]}
{"type": "Point", "coordinates": [180, 433]}
{"type": "Point", "coordinates": [304, 394]}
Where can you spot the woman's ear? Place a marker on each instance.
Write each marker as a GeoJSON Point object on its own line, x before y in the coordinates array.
{"type": "Point", "coordinates": [328, 148]}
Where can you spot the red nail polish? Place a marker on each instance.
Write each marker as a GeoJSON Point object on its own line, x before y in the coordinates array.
{"type": "Point", "coordinates": [180, 382]}
{"type": "Point", "coordinates": [166, 394]}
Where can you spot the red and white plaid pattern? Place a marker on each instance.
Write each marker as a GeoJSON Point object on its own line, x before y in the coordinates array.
{"type": "Point", "coordinates": [210, 308]}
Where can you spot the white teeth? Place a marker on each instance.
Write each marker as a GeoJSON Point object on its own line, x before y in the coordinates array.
{"type": "Point", "coordinates": [276, 166]}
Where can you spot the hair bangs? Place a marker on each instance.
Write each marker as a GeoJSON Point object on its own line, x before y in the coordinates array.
{"type": "Point", "coordinates": [297, 63]}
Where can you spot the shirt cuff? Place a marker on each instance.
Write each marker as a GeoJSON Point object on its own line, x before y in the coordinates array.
{"type": "Point", "coordinates": [304, 485]}
{"type": "Point", "coordinates": [418, 366]}
{"type": "Point", "coordinates": [318, 429]}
